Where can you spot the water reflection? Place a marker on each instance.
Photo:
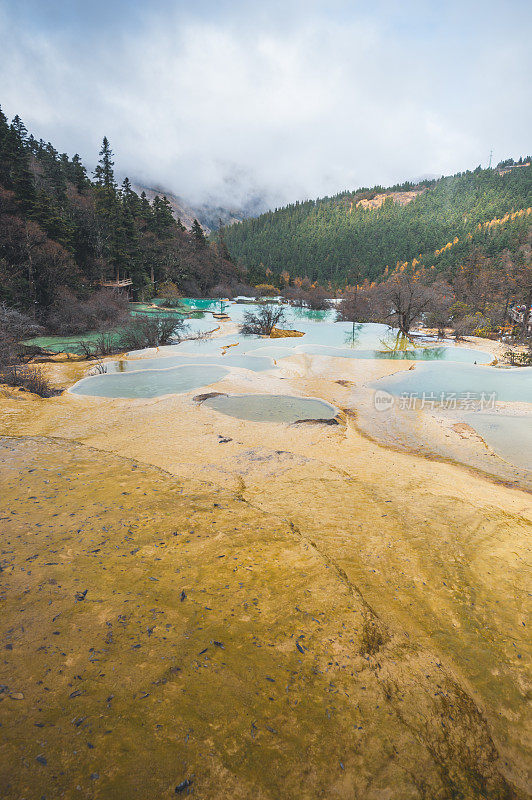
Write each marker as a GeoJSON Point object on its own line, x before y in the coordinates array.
{"type": "Point", "coordinates": [424, 354]}
{"type": "Point", "coordinates": [313, 314]}
{"type": "Point", "coordinates": [397, 341]}
{"type": "Point", "coordinates": [352, 336]}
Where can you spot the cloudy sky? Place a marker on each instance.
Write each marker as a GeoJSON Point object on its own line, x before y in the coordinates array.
{"type": "Point", "coordinates": [217, 99]}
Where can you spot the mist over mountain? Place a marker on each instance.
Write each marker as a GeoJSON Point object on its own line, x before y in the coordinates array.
{"type": "Point", "coordinates": [210, 212]}
{"type": "Point", "coordinates": [239, 101]}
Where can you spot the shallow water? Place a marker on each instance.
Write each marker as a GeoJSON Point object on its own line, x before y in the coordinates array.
{"type": "Point", "coordinates": [149, 383]}
{"type": "Point", "coordinates": [253, 363]}
{"type": "Point", "coordinates": [324, 336]}
{"type": "Point", "coordinates": [196, 363]}
{"type": "Point", "coordinates": [419, 354]}
{"type": "Point", "coordinates": [71, 344]}
{"type": "Point", "coordinates": [271, 407]}
{"type": "Point", "coordinates": [147, 308]}
{"type": "Point", "coordinates": [282, 348]}
{"type": "Point", "coordinates": [63, 344]}
{"type": "Point", "coordinates": [509, 436]}
{"type": "Point", "coordinates": [510, 385]}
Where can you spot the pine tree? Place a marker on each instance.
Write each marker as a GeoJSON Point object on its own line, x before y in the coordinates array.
{"type": "Point", "coordinates": [19, 128]}
{"type": "Point", "coordinates": [48, 214]}
{"type": "Point", "coordinates": [78, 174]}
{"type": "Point", "coordinates": [127, 191]}
{"type": "Point", "coordinates": [162, 219]}
{"type": "Point", "coordinates": [130, 245]}
{"type": "Point", "coordinates": [18, 176]}
{"type": "Point", "coordinates": [4, 126]}
{"type": "Point", "coordinates": [222, 245]}
{"type": "Point", "coordinates": [55, 172]}
{"type": "Point", "coordinates": [4, 163]}
{"type": "Point", "coordinates": [145, 208]}
{"type": "Point", "coordinates": [198, 233]}
{"type": "Point", "coordinates": [57, 239]}
{"type": "Point", "coordinates": [108, 208]}
{"type": "Point", "coordinates": [103, 174]}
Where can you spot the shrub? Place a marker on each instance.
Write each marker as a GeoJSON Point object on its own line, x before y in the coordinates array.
{"type": "Point", "coordinates": [170, 290]}
{"type": "Point", "coordinates": [30, 378]}
{"type": "Point", "coordinates": [150, 331]}
{"type": "Point", "coordinates": [471, 324]}
{"type": "Point", "coordinates": [266, 290]}
{"type": "Point", "coordinates": [171, 302]}
{"type": "Point", "coordinates": [518, 358]}
{"type": "Point", "coordinates": [103, 345]}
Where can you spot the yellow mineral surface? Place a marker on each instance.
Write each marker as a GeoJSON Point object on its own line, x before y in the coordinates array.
{"type": "Point", "coordinates": [191, 603]}
{"type": "Point", "coordinates": [280, 333]}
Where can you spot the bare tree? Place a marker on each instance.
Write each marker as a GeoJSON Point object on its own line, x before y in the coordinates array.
{"type": "Point", "coordinates": [308, 295]}
{"type": "Point", "coordinates": [524, 282]}
{"type": "Point", "coordinates": [221, 291]}
{"type": "Point", "coordinates": [316, 298]}
{"type": "Point", "coordinates": [467, 324]}
{"type": "Point", "coordinates": [104, 309]}
{"type": "Point", "coordinates": [14, 328]}
{"type": "Point", "coordinates": [402, 299]}
{"type": "Point", "coordinates": [355, 306]}
{"type": "Point", "coordinates": [295, 294]}
{"type": "Point", "coordinates": [104, 344]}
{"type": "Point", "coordinates": [439, 312]}
{"type": "Point", "coordinates": [263, 321]}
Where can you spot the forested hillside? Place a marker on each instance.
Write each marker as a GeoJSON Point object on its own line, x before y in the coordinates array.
{"type": "Point", "coordinates": [356, 235]}
{"type": "Point", "coordinates": [62, 232]}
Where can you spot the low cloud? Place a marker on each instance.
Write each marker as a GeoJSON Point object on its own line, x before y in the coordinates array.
{"type": "Point", "coordinates": [228, 107]}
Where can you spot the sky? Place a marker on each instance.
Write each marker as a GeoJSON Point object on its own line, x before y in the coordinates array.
{"type": "Point", "coordinates": [220, 101]}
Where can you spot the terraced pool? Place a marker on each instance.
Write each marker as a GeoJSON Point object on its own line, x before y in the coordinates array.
{"type": "Point", "coordinates": [271, 407]}
{"type": "Point", "coordinates": [149, 383]}
{"type": "Point", "coordinates": [445, 379]}
{"type": "Point", "coordinates": [509, 436]}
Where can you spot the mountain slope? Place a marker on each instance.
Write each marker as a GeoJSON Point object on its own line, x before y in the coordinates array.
{"type": "Point", "coordinates": [365, 231]}
{"type": "Point", "coordinates": [180, 208]}
{"type": "Point", "coordinates": [208, 213]}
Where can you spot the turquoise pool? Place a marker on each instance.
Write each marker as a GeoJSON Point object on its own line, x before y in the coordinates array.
{"type": "Point", "coordinates": [190, 364]}
{"type": "Point", "coordinates": [509, 436]}
{"type": "Point", "coordinates": [324, 336]}
{"type": "Point", "coordinates": [149, 383]}
{"type": "Point", "coordinates": [510, 385]}
{"type": "Point", "coordinates": [253, 363]}
{"type": "Point", "coordinates": [271, 407]}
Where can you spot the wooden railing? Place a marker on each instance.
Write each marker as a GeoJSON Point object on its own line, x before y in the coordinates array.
{"type": "Point", "coordinates": [117, 284]}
